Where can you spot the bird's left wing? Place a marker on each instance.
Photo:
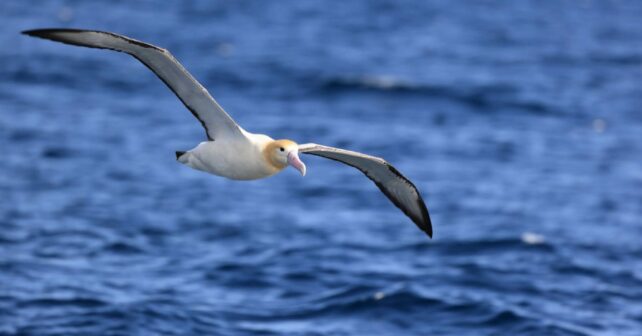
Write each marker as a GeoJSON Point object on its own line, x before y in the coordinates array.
{"type": "Point", "coordinates": [215, 120]}
{"type": "Point", "coordinates": [395, 186]}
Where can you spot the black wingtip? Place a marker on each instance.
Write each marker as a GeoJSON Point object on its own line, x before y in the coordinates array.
{"type": "Point", "coordinates": [40, 32]}
{"type": "Point", "coordinates": [49, 33]}
{"type": "Point", "coordinates": [46, 34]}
{"type": "Point", "coordinates": [428, 229]}
{"type": "Point", "coordinates": [31, 32]}
{"type": "Point", "coordinates": [44, 31]}
{"type": "Point", "coordinates": [426, 224]}
{"type": "Point", "coordinates": [179, 154]}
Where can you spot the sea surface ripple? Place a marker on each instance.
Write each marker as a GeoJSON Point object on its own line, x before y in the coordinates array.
{"type": "Point", "coordinates": [519, 121]}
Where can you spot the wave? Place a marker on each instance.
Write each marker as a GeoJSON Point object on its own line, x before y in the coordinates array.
{"type": "Point", "coordinates": [484, 97]}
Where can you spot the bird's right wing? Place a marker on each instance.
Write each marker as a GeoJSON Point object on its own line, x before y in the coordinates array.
{"type": "Point", "coordinates": [215, 120]}
{"type": "Point", "coordinates": [395, 186]}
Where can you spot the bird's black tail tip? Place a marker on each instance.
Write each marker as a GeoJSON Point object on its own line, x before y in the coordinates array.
{"type": "Point", "coordinates": [179, 154]}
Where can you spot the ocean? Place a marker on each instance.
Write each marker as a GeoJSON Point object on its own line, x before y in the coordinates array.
{"type": "Point", "coordinates": [520, 122]}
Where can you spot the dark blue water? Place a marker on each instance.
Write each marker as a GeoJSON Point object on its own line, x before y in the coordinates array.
{"type": "Point", "coordinates": [520, 122]}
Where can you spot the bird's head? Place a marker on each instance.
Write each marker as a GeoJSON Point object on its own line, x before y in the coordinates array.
{"type": "Point", "coordinates": [281, 153]}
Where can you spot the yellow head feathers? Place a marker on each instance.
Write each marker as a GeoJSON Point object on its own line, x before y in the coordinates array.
{"type": "Point", "coordinates": [276, 152]}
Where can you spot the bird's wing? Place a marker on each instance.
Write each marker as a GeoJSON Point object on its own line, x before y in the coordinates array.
{"type": "Point", "coordinates": [194, 96]}
{"type": "Point", "coordinates": [395, 186]}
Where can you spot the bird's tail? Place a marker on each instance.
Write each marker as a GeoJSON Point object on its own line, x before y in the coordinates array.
{"type": "Point", "coordinates": [181, 156]}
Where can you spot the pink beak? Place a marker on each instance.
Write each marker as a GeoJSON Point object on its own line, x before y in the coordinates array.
{"type": "Point", "coordinates": [294, 161]}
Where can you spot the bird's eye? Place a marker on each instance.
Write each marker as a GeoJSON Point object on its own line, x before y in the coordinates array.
{"type": "Point", "coordinates": [282, 149]}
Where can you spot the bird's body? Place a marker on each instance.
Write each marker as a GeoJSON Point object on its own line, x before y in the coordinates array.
{"type": "Point", "coordinates": [230, 151]}
{"type": "Point", "coordinates": [238, 159]}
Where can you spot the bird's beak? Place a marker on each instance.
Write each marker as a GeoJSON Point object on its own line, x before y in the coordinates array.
{"type": "Point", "coordinates": [294, 161]}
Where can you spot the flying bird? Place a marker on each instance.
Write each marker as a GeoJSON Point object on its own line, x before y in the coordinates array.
{"type": "Point", "coordinates": [230, 151]}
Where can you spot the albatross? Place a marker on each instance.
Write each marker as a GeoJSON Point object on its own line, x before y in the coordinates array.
{"type": "Point", "coordinates": [230, 151]}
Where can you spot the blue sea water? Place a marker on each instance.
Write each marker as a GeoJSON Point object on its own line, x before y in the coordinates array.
{"type": "Point", "coordinates": [520, 122]}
